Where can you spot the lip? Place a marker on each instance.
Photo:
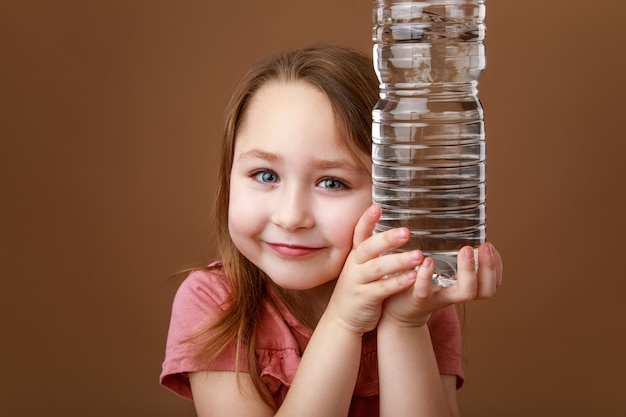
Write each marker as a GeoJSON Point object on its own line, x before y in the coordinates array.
{"type": "Point", "coordinates": [292, 251]}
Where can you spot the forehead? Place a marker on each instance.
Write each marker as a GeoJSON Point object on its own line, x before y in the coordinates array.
{"type": "Point", "coordinates": [277, 97]}
{"type": "Point", "coordinates": [281, 113]}
{"type": "Point", "coordinates": [295, 119]}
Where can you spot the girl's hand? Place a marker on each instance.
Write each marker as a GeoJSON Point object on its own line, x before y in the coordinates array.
{"type": "Point", "coordinates": [413, 306]}
{"type": "Point", "coordinates": [358, 296]}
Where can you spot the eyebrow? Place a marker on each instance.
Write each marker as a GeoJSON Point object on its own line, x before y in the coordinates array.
{"type": "Point", "coordinates": [322, 164]}
{"type": "Point", "coordinates": [257, 154]}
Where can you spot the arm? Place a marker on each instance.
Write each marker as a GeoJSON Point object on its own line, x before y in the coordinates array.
{"type": "Point", "coordinates": [408, 372]}
{"type": "Point", "coordinates": [220, 394]}
{"type": "Point", "coordinates": [323, 384]}
{"type": "Point", "coordinates": [410, 383]}
{"type": "Point", "coordinates": [325, 379]}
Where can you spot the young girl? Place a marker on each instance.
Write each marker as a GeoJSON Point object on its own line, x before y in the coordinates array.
{"type": "Point", "coordinates": [296, 319]}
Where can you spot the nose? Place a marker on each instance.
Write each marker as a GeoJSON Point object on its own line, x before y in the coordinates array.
{"type": "Point", "coordinates": [293, 209]}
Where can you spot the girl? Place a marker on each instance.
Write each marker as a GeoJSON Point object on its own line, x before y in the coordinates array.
{"type": "Point", "coordinates": [296, 319]}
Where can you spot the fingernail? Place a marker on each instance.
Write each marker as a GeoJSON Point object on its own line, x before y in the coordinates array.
{"type": "Point", "coordinates": [427, 263]}
{"type": "Point", "coordinates": [489, 249]}
{"type": "Point", "coordinates": [468, 253]}
{"type": "Point", "coordinates": [417, 255]}
{"type": "Point", "coordinates": [402, 233]}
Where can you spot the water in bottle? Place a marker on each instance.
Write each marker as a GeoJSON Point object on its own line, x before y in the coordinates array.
{"type": "Point", "coordinates": [428, 131]}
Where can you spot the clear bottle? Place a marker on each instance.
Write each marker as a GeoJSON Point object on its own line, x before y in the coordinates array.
{"type": "Point", "coordinates": [428, 131]}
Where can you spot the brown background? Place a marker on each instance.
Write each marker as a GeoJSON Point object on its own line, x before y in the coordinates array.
{"type": "Point", "coordinates": [110, 115]}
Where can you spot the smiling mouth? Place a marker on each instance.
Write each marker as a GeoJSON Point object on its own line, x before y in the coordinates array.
{"type": "Point", "coordinates": [292, 251]}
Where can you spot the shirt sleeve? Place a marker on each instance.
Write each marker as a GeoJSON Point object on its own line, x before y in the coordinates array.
{"type": "Point", "coordinates": [445, 333]}
{"type": "Point", "coordinates": [200, 299]}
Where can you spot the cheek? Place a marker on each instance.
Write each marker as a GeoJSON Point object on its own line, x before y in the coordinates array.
{"type": "Point", "coordinates": [241, 216]}
{"type": "Point", "coordinates": [342, 226]}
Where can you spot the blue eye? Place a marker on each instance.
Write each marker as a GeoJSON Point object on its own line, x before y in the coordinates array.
{"type": "Point", "coordinates": [332, 184]}
{"type": "Point", "coordinates": [265, 176]}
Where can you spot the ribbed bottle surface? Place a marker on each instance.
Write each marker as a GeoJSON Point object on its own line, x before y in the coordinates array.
{"type": "Point", "coordinates": [428, 132]}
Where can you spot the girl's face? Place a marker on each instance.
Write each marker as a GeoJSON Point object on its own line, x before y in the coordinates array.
{"type": "Point", "coordinates": [296, 191]}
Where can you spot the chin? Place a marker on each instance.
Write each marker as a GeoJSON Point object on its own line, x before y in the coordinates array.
{"type": "Point", "coordinates": [297, 282]}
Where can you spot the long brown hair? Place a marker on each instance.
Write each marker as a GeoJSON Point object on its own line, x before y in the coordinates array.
{"type": "Point", "coordinates": [347, 77]}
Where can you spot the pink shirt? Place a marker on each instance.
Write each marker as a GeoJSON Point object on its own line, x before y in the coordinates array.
{"type": "Point", "coordinates": [281, 340]}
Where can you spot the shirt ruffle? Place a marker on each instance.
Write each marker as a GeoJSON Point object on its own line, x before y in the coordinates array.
{"type": "Point", "coordinates": [277, 369]}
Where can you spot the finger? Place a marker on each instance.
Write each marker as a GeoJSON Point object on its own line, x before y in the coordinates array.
{"type": "Point", "coordinates": [365, 226]}
{"type": "Point", "coordinates": [487, 272]}
{"type": "Point", "coordinates": [391, 264]}
{"type": "Point", "coordinates": [423, 287]}
{"type": "Point", "coordinates": [466, 286]}
{"type": "Point", "coordinates": [499, 265]}
{"type": "Point", "coordinates": [385, 288]}
{"type": "Point", "coordinates": [381, 243]}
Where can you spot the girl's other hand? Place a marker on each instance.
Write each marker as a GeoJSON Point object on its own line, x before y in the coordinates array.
{"type": "Point", "coordinates": [359, 293]}
{"type": "Point", "coordinates": [413, 306]}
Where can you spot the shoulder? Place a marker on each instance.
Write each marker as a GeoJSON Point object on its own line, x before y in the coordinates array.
{"type": "Point", "coordinates": [446, 316]}
{"type": "Point", "coordinates": [201, 290]}
{"type": "Point", "coordinates": [200, 298]}
{"type": "Point", "coordinates": [444, 326]}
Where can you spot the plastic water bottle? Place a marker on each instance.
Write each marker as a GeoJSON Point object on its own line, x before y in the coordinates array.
{"type": "Point", "coordinates": [428, 131]}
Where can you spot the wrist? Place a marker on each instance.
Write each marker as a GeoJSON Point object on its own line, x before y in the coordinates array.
{"type": "Point", "coordinates": [401, 334]}
{"type": "Point", "coordinates": [339, 326]}
{"type": "Point", "coordinates": [388, 319]}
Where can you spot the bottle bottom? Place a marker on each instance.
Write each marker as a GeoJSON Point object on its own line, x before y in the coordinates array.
{"type": "Point", "coordinates": [439, 281]}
